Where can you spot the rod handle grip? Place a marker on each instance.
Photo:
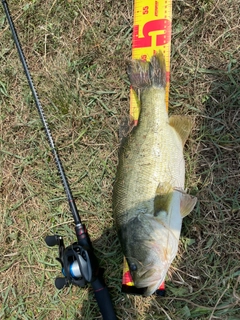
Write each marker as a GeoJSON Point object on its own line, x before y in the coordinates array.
{"type": "Point", "coordinates": [103, 299]}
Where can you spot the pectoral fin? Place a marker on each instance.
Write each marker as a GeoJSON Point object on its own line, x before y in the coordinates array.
{"type": "Point", "coordinates": [187, 203]}
{"type": "Point", "coordinates": [163, 198]}
{"type": "Point", "coordinates": [182, 125]}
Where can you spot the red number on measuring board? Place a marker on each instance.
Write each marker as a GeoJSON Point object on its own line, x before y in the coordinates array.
{"type": "Point", "coordinates": [144, 57]}
{"type": "Point", "coordinates": [145, 10]}
{"type": "Point", "coordinates": [163, 25]}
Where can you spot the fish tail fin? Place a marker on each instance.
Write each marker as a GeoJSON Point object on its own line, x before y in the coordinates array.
{"type": "Point", "coordinates": [157, 69]}
{"type": "Point", "coordinates": [144, 74]}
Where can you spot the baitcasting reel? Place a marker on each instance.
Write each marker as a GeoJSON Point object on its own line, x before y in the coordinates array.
{"type": "Point", "coordinates": [75, 263]}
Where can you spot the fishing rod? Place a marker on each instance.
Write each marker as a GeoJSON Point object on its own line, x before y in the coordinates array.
{"type": "Point", "coordinates": [78, 261]}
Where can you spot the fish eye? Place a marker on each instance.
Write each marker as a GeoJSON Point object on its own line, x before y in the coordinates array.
{"type": "Point", "coordinates": [133, 266]}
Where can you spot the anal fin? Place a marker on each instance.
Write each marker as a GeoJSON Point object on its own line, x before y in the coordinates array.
{"type": "Point", "coordinates": [182, 125]}
{"type": "Point", "coordinates": [187, 202]}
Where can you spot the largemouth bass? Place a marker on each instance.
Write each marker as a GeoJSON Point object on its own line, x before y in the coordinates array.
{"type": "Point", "coordinates": [149, 201]}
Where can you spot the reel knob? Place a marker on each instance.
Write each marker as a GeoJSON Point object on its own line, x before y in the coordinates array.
{"type": "Point", "coordinates": [60, 283]}
{"type": "Point", "coordinates": [52, 240]}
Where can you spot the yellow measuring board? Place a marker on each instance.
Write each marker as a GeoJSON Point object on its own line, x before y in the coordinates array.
{"type": "Point", "coordinates": [151, 33]}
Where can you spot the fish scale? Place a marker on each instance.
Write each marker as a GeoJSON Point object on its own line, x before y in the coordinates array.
{"type": "Point", "coordinates": [146, 168]}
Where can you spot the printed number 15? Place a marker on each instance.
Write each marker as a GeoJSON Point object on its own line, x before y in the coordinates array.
{"type": "Point", "coordinates": [154, 25]}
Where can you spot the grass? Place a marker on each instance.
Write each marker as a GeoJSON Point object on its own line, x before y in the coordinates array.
{"type": "Point", "coordinates": [77, 53]}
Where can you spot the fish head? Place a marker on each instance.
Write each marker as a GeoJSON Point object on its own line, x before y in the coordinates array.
{"type": "Point", "coordinates": [149, 277]}
{"type": "Point", "coordinates": [150, 240]}
{"type": "Point", "coordinates": [150, 253]}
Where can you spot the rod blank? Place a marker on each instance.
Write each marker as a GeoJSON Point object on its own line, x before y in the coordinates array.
{"type": "Point", "coordinates": [65, 183]}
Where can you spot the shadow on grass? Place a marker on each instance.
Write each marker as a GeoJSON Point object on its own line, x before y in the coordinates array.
{"type": "Point", "coordinates": [206, 275]}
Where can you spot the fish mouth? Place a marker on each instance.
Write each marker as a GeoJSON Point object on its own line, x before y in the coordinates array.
{"type": "Point", "coordinates": [149, 277]}
{"type": "Point", "coordinates": [152, 288]}
{"type": "Point", "coordinates": [151, 281]}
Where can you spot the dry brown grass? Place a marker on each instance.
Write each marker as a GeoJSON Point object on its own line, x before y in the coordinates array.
{"type": "Point", "coordinates": [77, 52]}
